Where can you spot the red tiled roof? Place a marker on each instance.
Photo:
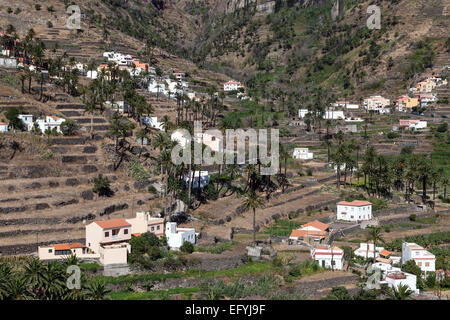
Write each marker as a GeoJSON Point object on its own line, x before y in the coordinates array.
{"type": "Point", "coordinates": [302, 233]}
{"type": "Point", "coordinates": [385, 253]}
{"type": "Point", "coordinates": [136, 234]}
{"type": "Point", "coordinates": [113, 223]}
{"type": "Point", "coordinates": [355, 203]}
{"type": "Point", "coordinates": [316, 224]}
{"type": "Point", "coordinates": [68, 246]}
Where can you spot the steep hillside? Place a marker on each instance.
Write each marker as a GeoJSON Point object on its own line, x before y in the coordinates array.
{"type": "Point", "coordinates": [300, 43]}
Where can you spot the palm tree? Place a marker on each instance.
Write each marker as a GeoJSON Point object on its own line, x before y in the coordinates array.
{"type": "Point", "coordinates": [96, 290]}
{"type": "Point", "coordinates": [374, 234]}
{"type": "Point", "coordinates": [34, 273]}
{"type": "Point", "coordinates": [253, 201]}
{"type": "Point", "coordinates": [401, 292]}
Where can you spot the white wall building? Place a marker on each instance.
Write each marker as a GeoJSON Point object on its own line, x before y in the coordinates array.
{"type": "Point", "coordinates": [196, 175]}
{"type": "Point", "coordinates": [50, 122]}
{"type": "Point", "coordinates": [27, 120]}
{"type": "Point", "coordinates": [357, 210]}
{"type": "Point", "coordinates": [423, 258]}
{"type": "Point", "coordinates": [365, 250]}
{"type": "Point", "coordinates": [329, 257]}
{"type": "Point", "coordinates": [3, 127]}
{"type": "Point", "coordinates": [177, 236]}
{"type": "Point", "coordinates": [346, 104]}
{"type": "Point", "coordinates": [302, 153]}
{"type": "Point", "coordinates": [153, 122]}
{"type": "Point", "coordinates": [328, 114]}
{"type": "Point", "coordinates": [377, 104]}
{"type": "Point", "coordinates": [397, 278]}
{"type": "Point", "coordinates": [232, 85]}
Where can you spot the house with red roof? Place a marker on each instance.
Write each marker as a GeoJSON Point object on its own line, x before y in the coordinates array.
{"type": "Point", "coordinates": [312, 232]}
{"type": "Point", "coordinates": [232, 85]}
{"type": "Point", "coordinates": [3, 127]}
{"type": "Point", "coordinates": [63, 250]}
{"type": "Point", "coordinates": [328, 257]}
{"type": "Point", "coordinates": [110, 239]}
{"type": "Point", "coordinates": [424, 259]}
{"type": "Point", "coordinates": [356, 210]}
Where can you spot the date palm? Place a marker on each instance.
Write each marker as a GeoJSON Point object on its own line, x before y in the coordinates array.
{"type": "Point", "coordinates": [96, 290]}
{"type": "Point", "coordinates": [253, 201]}
{"type": "Point", "coordinates": [374, 234]}
{"type": "Point", "coordinates": [402, 292]}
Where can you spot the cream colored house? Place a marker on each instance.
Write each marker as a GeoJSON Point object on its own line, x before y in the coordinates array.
{"type": "Point", "coordinates": [426, 86]}
{"type": "Point", "coordinates": [102, 234]}
{"type": "Point", "coordinates": [64, 250]}
{"type": "Point", "coordinates": [145, 223]}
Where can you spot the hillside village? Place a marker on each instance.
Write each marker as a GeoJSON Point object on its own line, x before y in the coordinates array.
{"type": "Point", "coordinates": [357, 209]}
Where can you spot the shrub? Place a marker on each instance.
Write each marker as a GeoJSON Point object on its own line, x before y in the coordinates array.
{"type": "Point", "coordinates": [309, 172]}
{"type": "Point", "coordinates": [69, 128]}
{"type": "Point", "coordinates": [187, 247]}
{"type": "Point", "coordinates": [295, 271]}
{"type": "Point", "coordinates": [443, 127]}
{"type": "Point", "coordinates": [412, 217]}
{"type": "Point", "coordinates": [49, 24]}
{"type": "Point", "coordinates": [37, 6]}
{"type": "Point", "coordinates": [102, 186]}
{"type": "Point", "coordinates": [293, 215]}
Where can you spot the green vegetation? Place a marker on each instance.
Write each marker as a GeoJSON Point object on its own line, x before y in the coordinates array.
{"type": "Point", "coordinates": [102, 186]}
{"type": "Point", "coordinates": [217, 248]}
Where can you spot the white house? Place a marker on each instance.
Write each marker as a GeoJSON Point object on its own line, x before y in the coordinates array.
{"type": "Point", "coordinates": [346, 104]}
{"type": "Point", "coordinates": [329, 257]}
{"type": "Point", "coordinates": [179, 136]}
{"type": "Point", "coordinates": [212, 141]}
{"type": "Point", "coordinates": [365, 250]}
{"type": "Point", "coordinates": [354, 119]}
{"type": "Point", "coordinates": [357, 210]}
{"type": "Point", "coordinates": [177, 236]}
{"type": "Point", "coordinates": [424, 259]}
{"type": "Point", "coordinates": [3, 127]}
{"type": "Point", "coordinates": [92, 74]}
{"type": "Point", "coordinates": [120, 106]}
{"type": "Point", "coordinates": [196, 175]}
{"type": "Point", "coordinates": [156, 87]}
{"type": "Point", "coordinates": [396, 278]}
{"type": "Point", "coordinates": [302, 153]}
{"type": "Point", "coordinates": [328, 115]}
{"type": "Point", "coordinates": [50, 123]}
{"type": "Point", "coordinates": [413, 124]}
{"type": "Point", "coordinates": [27, 120]}
{"type": "Point", "coordinates": [153, 122]}
{"type": "Point", "coordinates": [232, 85]}
{"type": "Point", "coordinates": [377, 104]}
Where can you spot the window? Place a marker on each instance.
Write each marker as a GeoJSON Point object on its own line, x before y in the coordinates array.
{"type": "Point", "coordinates": [153, 229]}
{"type": "Point", "coordinates": [333, 262]}
{"type": "Point", "coordinates": [125, 231]}
{"type": "Point", "coordinates": [157, 227]}
{"type": "Point", "coordinates": [115, 232]}
{"type": "Point", "coordinates": [106, 234]}
{"type": "Point", "coordinates": [427, 264]}
{"type": "Point", "coordinates": [419, 264]}
{"type": "Point", "coordinates": [213, 138]}
{"type": "Point", "coordinates": [50, 250]}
